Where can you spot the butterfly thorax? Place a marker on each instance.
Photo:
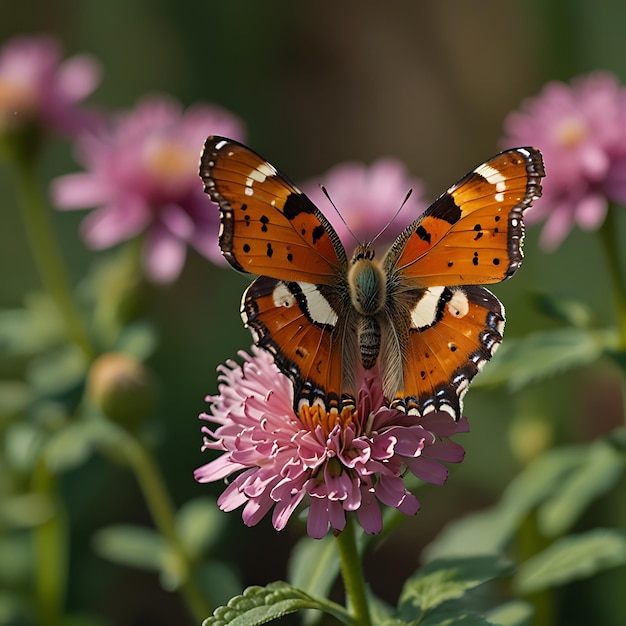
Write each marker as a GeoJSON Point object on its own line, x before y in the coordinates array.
{"type": "Point", "coordinates": [366, 281]}
{"type": "Point", "coordinates": [368, 292]}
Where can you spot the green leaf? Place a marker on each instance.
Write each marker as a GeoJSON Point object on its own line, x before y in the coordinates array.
{"type": "Point", "coordinates": [73, 445]}
{"type": "Point", "coordinates": [572, 312]}
{"type": "Point", "coordinates": [199, 525]}
{"type": "Point", "coordinates": [32, 330]}
{"type": "Point", "coordinates": [259, 605]}
{"type": "Point", "coordinates": [314, 565]}
{"type": "Point", "coordinates": [133, 546]}
{"type": "Point", "coordinates": [138, 339]}
{"type": "Point", "coordinates": [572, 558]}
{"type": "Point", "coordinates": [217, 581]}
{"type": "Point", "coordinates": [57, 371]}
{"type": "Point", "coordinates": [489, 531]}
{"type": "Point", "coordinates": [540, 355]}
{"type": "Point", "coordinates": [447, 579]}
{"type": "Point", "coordinates": [599, 469]}
{"type": "Point", "coordinates": [515, 613]}
{"type": "Point", "coordinates": [453, 614]}
{"type": "Point", "coordinates": [13, 398]}
{"type": "Point", "coordinates": [483, 533]}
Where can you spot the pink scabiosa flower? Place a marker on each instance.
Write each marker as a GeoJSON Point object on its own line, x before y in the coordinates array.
{"type": "Point", "coordinates": [581, 129]}
{"type": "Point", "coordinates": [142, 174]}
{"type": "Point", "coordinates": [37, 88]}
{"type": "Point", "coordinates": [338, 463]}
{"type": "Point", "coordinates": [368, 197]}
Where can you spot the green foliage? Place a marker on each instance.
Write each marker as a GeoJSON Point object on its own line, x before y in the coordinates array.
{"type": "Point", "coordinates": [260, 605]}
{"type": "Point", "coordinates": [572, 558]}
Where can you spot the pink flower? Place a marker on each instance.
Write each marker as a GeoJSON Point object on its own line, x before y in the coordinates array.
{"type": "Point", "coordinates": [36, 87]}
{"type": "Point", "coordinates": [581, 130]}
{"type": "Point", "coordinates": [367, 197]}
{"type": "Point", "coordinates": [142, 174]}
{"type": "Point", "coordinates": [353, 463]}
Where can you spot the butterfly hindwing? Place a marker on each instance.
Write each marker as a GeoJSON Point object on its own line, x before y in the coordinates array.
{"type": "Point", "coordinates": [454, 331]}
{"type": "Point", "coordinates": [268, 226]}
{"type": "Point", "coordinates": [472, 234]}
{"type": "Point", "coordinates": [298, 323]}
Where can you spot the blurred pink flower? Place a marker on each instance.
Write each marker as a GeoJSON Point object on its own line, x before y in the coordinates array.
{"type": "Point", "coordinates": [142, 173]}
{"type": "Point", "coordinates": [581, 130]}
{"type": "Point", "coordinates": [36, 87]}
{"type": "Point", "coordinates": [367, 196]}
{"type": "Point", "coordinates": [354, 463]}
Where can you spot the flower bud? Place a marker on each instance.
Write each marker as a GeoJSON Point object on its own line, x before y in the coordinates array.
{"type": "Point", "coordinates": [122, 388]}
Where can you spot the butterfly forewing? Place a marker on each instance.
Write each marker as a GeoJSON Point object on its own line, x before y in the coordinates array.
{"type": "Point", "coordinates": [268, 226]}
{"type": "Point", "coordinates": [472, 234]}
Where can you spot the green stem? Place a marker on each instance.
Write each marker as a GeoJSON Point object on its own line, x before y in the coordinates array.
{"type": "Point", "coordinates": [609, 236]}
{"type": "Point", "coordinates": [352, 573]}
{"type": "Point", "coordinates": [163, 513]}
{"type": "Point", "coordinates": [50, 541]}
{"type": "Point", "coordinates": [46, 251]}
{"type": "Point", "coordinates": [529, 543]}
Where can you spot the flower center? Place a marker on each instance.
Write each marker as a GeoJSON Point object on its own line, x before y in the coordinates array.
{"type": "Point", "coordinates": [571, 132]}
{"type": "Point", "coordinates": [16, 100]}
{"type": "Point", "coordinates": [170, 163]}
{"type": "Point", "coordinates": [316, 415]}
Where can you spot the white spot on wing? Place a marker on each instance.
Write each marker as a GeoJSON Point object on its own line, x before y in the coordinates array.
{"type": "Point", "coordinates": [220, 144]}
{"type": "Point", "coordinates": [492, 175]}
{"type": "Point", "coordinates": [318, 307]}
{"type": "Point", "coordinates": [282, 296]}
{"type": "Point", "coordinates": [458, 304]}
{"type": "Point", "coordinates": [424, 313]}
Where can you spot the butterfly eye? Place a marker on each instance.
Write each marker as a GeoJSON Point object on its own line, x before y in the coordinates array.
{"type": "Point", "coordinates": [363, 251]}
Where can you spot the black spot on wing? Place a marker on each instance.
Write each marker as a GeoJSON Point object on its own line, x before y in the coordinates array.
{"type": "Point", "coordinates": [295, 204]}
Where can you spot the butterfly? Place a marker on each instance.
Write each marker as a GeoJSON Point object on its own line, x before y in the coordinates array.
{"type": "Point", "coordinates": [419, 317]}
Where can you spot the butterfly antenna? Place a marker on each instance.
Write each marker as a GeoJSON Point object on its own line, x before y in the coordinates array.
{"type": "Point", "coordinates": [388, 224]}
{"type": "Point", "coordinates": [339, 214]}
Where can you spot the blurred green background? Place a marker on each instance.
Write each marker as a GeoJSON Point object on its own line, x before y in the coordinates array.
{"type": "Point", "coordinates": [316, 84]}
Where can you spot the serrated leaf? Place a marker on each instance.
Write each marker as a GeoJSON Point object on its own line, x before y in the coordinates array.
{"type": "Point", "coordinates": [515, 613]}
{"type": "Point", "coordinates": [259, 605]}
{"type": "Point", "coordinates": [572, 558]}
{"type": "Point", "coordinates": [599, 469]}
{"type": "Point", "coordinates": [543, 354]}
{"type": "Point", "coordinates": [199, 525]}
{"type": "Point", "coordinates": [133, 546]}
{"type": "Point", "coordinates": [447, 579]}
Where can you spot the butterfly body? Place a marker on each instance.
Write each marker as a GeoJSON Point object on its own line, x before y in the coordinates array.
{"type": "Point", "coordinates": [420, 316]}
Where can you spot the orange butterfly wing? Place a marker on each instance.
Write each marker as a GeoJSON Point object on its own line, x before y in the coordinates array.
{"type": "Point", "coordinates": [298, 324]}
{"type": "Point", "coordinates": [472, 234]}
{"type": "Point", "coordinates": [268, 226]}
{"type": "Point", "coordinates": [445, 351]}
